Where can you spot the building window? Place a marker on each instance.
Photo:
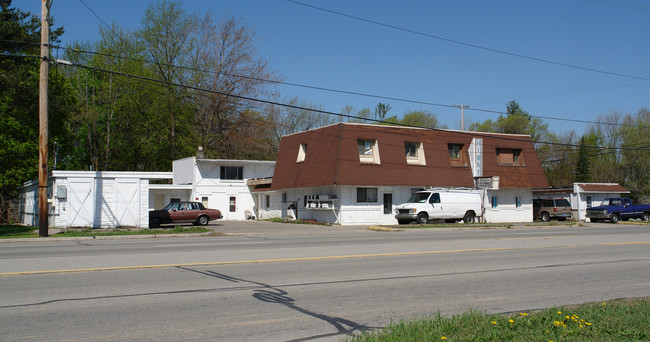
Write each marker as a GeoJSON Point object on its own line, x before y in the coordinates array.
{"type": "Point", "coordinates": [414, 153]}
{"type": "Point", "coordinates": [508, 156]}
{"type": "Point", "coordinates": [233, 204]}
{"type": "Point", "coordinates": [365, 147]}
{"type": "Point", "coordinates": [454, 150]}
{"type": "Point", "coordinates": [302, 152]}
{"type": "Point", "coordinates": [366, 195]}
{"type": "Point", "coordinates": [368, 151]}
{"type": "Point", "coordinates": [590, 201]}
{"type": "Point", "coordinates": [518, 200]}
{"type": "Point", "coordinates": [411, 149]}
{"type": "Point", "coordinates": [268, 201]}
{"type": "Point", "coordinates": [232, 172]}
{"type": "Point", "coordinates": [457, 155]}
{"type": "Point", "coordinates": [495, 201]}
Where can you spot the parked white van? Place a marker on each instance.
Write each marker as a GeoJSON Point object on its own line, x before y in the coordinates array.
{"type": "Point", "coordinates": [448, 205]}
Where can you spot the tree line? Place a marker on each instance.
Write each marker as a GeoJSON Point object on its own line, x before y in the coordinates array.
{"type": "Point", "coordinates": [198, 78]}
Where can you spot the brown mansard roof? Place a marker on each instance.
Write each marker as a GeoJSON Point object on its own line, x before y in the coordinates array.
{"type": "Point", "coordinates": [332, 158]}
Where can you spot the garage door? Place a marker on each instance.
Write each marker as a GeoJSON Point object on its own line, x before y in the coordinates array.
{"type": "Point", "coordinates": [128, 204]}
{"type": "Point", "coordinates": [81, 203]}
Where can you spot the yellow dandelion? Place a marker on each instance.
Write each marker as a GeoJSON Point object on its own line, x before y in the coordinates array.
{"type": "Point", "coordinates": [511, 321]}
{"type": "Point", "coordinates": [494, 322]}
{"type": "Point", "coordinates": [587, 323]}
{"type": "Point", "coordinates": [559, 312]}
{"type": "Point", "coordinates": [604, 304]}
{"type": "Point", "coordinates": [523, 314]}
{"type": "Point", "coordinates": [443, 338]}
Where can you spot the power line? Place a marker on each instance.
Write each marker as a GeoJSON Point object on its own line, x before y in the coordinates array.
{"type": "Point", "coordinates": [333, 90]}
{"type": "Point", "coordinates": [482, 134]}
{"type": "Point", "coordinates": [336, 90]}
{"type": "Point", "coordinates": [95, 14]}
{"type": "Point", "coordinates": [513, 54]}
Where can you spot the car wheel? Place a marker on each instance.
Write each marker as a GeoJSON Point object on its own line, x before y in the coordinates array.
{"type": "Point", "coordinates": [645, 217]}
{"type": "Point", "coordinates": [423, 218]}
{"type": "Point", "coordinates": [203, 220]}
{"type": "Point", "coordinates": [154, 222]}
{"type": "Point", "coordinates": [469, 217]}
{"type": "Point", "coordinates": [546, 217]}
{"type": "Point", "coordinates": [615, 218]}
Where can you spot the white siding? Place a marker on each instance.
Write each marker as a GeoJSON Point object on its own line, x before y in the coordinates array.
{"type": "Point", "coordinates": [507, 211]}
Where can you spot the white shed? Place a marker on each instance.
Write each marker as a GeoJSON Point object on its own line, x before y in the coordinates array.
{"type": "Point", "coordinates": [94, 199]}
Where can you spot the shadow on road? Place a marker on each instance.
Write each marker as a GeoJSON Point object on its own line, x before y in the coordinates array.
{"type": "Point", "coordinates": [274, 295]}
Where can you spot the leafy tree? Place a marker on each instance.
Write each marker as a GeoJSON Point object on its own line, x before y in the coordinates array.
{"type": "Point", "coordinates": [516, 121]}
{"type": "Point", "coordinates": [583, 168]}
{"type": "Point", "coordinates": [421, 119]}
{"type": "Point", "coordinates": [19, 93]}
{"type": "Point", "coordinates": [381, 110]}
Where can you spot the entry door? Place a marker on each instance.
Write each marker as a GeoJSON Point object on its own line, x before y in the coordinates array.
{"type": "Point", "coordinates": [388, 204]}
{"type": "Point", "coordinates": [81, 203]}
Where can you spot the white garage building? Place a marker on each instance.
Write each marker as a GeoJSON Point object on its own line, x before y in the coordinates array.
{"type": "Point", "coordinates": [110, 199]}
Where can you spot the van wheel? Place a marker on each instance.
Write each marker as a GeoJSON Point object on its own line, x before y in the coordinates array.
{"type": "Point", "coordinates": [423, 218]}
{"type": "Point", "coordinates": [546, 217]}
{"type": "Point", "coordinates": [615, 218]}
{"type": "Point", "coordinates": [469, 217]}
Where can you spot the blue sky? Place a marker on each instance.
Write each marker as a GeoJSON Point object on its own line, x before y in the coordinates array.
{"type": "Point", "coordinates": [318, 48]}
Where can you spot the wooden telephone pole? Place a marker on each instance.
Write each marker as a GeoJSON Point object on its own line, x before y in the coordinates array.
{"type": "Point", "coordinates": [42, 120]}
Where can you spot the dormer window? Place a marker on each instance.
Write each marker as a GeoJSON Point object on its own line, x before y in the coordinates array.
{"type": "Point", "coordinates": [510, 157]}
{"type": "Point", "coordinates": [368, 151]}
{"type": "Point", "coordinates": [302, 152]}
{"type": "Point", "coordinates": [457, 154]}
{"type": "Point", "coordinates": [414, 153]}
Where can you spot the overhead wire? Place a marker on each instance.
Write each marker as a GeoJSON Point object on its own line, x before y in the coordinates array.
{"type": "Point", "coordinates": [501, 136]}
{"type": "Point", "coordinates": [453, 41]}
{"type": "Point", "coordinates": [333, 90]}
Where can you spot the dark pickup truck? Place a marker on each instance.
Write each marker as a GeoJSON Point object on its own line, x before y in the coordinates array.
{"type": "Point", "coordinates": [616, 209]}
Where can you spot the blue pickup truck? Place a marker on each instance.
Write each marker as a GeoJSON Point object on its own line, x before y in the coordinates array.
{"type": "Point", "coordinates": [616, 209]}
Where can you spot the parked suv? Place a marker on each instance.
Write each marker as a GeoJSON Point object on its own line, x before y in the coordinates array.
{"type": "Point", "coordinates": [548, 208]}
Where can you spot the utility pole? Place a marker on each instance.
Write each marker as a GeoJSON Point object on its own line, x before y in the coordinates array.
{"type": "Point", "coordinates": [42, 119]}
{"type": "Point", "coordinates": [462, 119]}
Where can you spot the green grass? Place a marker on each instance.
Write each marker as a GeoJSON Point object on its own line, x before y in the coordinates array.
{"type": "Point", "coordinates": [13, 231]}
{"type": "Point", "coordinates": [620, 320]}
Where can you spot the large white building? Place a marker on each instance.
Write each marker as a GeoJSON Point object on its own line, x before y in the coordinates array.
{"type": "Point", "coordinates": [357, 173]}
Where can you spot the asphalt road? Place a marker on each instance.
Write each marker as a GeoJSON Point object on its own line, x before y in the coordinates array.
{"type": "Point", "coordinates": [270, 282]}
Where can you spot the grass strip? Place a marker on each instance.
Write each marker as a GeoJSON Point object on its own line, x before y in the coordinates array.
{"type": "Point", "coordinates": [618, 320]}
{"type": "Point", "coordinates": [15, 231]}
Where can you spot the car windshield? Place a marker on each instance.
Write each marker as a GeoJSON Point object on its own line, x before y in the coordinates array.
{"type": "Point", "coordinates": [419, 197]}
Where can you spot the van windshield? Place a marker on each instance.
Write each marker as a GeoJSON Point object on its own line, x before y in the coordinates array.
{"type": "Point", "coordinates": [419, 197]}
